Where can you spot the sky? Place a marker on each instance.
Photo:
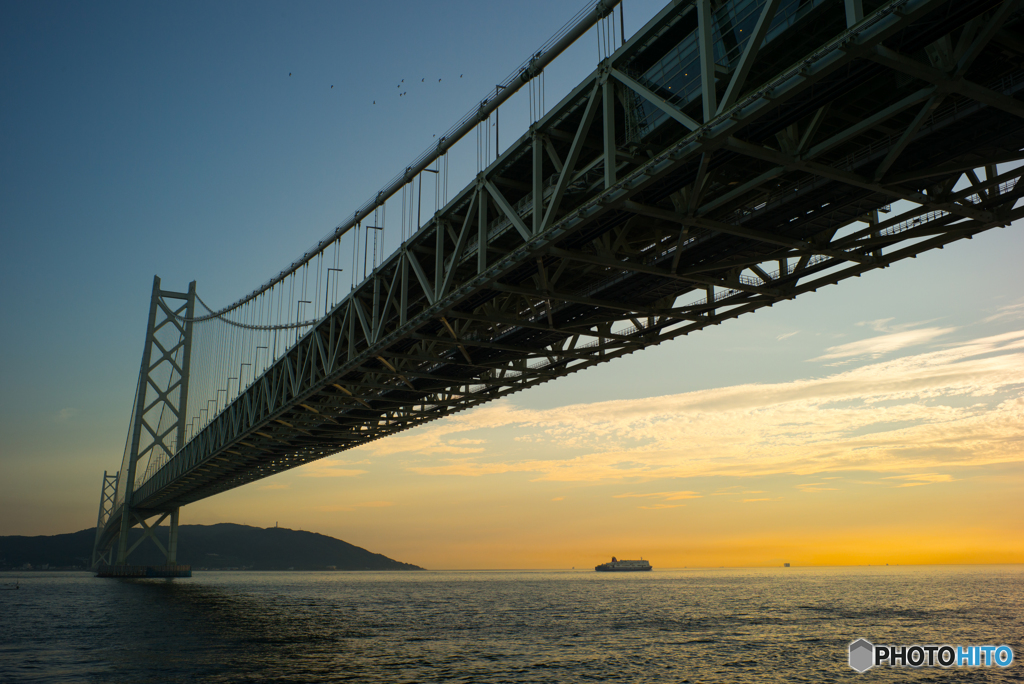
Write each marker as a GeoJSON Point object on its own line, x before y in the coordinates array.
{"type": "Point", "coordinates": [877, 421]}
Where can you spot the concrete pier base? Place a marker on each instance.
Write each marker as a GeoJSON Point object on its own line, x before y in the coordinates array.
{"type": "Point", "coordinates": [145, 571]}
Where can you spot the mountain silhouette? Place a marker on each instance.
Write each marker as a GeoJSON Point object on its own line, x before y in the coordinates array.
{"type": "Point", "coordinates": [212, 547]}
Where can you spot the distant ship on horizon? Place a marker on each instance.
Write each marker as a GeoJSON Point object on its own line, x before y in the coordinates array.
{"type": "Point", "coordinates": [617, 565]}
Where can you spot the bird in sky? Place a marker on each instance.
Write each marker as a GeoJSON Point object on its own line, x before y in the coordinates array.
{"type": "Point", "coordinates": [461, 75]}
{"type": "Point", "coordinates": [438, 80]}
{"type": "Point", "coordinates": [374, 102]}
{"type": "Point", "coordinates": [289, 73]}
{"type": "Point", "coordinates": [422, 80]}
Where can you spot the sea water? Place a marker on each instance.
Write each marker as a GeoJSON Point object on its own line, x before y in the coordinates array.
{"type": "Point", "coordinates": [685, 625]}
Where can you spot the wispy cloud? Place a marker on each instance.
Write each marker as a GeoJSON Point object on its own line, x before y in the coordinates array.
{"type": "Point", "coordinates": [1008, 312]}
{"type": "Point", "coordinates": [756, 500]}
{"type": "Point", "coordinates": [66, 414]}
{"type": "Point", "coordinates": [956, 406]}
{"type": "Point", "coordinates": [885, 325]}
{"type": "Point", "coordinates": [343, 508]}
{"type": "Point", "coordinates": [919, 479]}
{"type": "Point", "coordinates": [874, 347]}
{"type": "Point", "coordinates": [786, 335]}
{"type": "Point", "coordinates": [329, 468]}
{"type": "Point", "coordinates": [470, 468]}
{"type": "Point", "coordinates": [879, 324]}
{"type": "Point", "coordinates": [666, 496]}
{"type": "Point", "coordinates": [815, 487]}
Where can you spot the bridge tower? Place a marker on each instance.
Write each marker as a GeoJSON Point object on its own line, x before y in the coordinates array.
{"type": "Point", "coordinates": [157, 427]}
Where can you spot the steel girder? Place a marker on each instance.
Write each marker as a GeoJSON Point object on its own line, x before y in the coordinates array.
{"type": "Point", "coordinates": [647, 205]}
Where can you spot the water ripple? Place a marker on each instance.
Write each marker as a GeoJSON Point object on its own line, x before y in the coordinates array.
{"type": "Point", "coordinates": [768, 625]}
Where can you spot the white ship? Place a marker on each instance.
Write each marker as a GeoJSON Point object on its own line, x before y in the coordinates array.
{"type": "Point", "coordinates": [623, 566]}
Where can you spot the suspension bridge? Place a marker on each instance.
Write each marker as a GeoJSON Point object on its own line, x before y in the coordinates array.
{"type": "Point", "coordinates": [729, 155]}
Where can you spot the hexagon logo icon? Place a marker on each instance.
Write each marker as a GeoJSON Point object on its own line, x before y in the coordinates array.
{"type": "Point", "coordinates": [862, 655]}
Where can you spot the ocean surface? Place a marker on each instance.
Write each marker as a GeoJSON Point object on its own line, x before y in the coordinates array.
{"type": "Point", "coordinates": [687, 625]}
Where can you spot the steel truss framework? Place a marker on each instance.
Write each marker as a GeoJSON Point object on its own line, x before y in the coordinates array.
{"type": "Point", "coordinates": [633, 214]}
{"type": "Point", "coordinates": [157, 426]}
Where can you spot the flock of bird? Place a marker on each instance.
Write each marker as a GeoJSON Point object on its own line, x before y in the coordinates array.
{"type": "Point", "coordinates": [403, 93]}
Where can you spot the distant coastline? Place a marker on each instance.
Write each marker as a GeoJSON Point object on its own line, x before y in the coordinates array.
{"type": "Point", "coordinates": [225, 546]}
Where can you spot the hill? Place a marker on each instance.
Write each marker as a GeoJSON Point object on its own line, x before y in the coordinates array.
{"type": "Point", "coordinates": [213, 547]}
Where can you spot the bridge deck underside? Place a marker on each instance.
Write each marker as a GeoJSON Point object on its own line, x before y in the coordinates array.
{"type": "Point", "coordinates": [649, 227]}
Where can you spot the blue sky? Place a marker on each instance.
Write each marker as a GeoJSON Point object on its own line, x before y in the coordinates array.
{"type": "Point", "coordinates": [143, 138]}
